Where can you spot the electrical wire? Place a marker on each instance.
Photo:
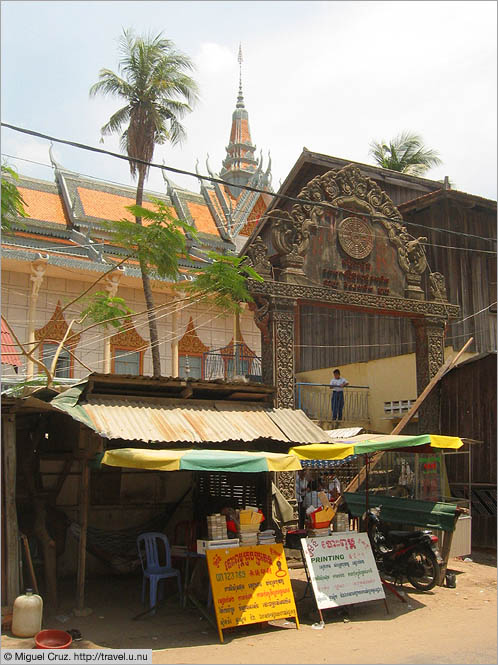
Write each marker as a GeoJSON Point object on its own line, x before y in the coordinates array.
{"type": "Point", "coordinates": [114, 182]}
{"type": "Point", "coordinates": [164, 167]}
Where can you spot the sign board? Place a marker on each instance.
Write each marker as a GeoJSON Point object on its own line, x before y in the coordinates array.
{"type": "Point", "coordinates": [250, 585]}
{"type": "Point", "coordinates": [342, 569]}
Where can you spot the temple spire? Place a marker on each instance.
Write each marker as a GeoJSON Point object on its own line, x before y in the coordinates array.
{"type": "Point", "coordinates": [240, 98]}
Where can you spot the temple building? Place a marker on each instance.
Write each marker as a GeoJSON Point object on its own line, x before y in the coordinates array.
{"type": "Point", "coordinates": [61, 248]}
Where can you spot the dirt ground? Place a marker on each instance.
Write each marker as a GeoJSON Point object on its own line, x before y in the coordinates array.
{"type": "Point", "coordinates": [442, 626]}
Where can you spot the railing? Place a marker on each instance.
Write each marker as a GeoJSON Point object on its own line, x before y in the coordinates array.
{"type": "Point", "coordinates": [315, 400]}
{"type": "Point", "coordinates": [220, 364]}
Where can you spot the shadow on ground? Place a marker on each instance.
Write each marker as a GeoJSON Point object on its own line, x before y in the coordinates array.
{"type": "Point", "coordinates": [115, 602]}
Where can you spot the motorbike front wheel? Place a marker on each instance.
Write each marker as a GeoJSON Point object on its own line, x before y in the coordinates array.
{"type": "Point", "coordinates": [423, 570]}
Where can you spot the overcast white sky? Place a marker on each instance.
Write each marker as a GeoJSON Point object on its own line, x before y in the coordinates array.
{"type": "Point", "coordinates": [330, 76]}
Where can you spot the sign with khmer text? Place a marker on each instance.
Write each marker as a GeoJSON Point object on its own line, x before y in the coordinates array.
{"type": "Point", "coordinates": [250, 584]}
{"type": "Point", "coordinates": [342, 569]}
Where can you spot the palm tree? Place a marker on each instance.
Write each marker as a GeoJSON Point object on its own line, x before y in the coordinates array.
{"type": "Point", "coordinates": [405, 153]}
{"type": "Point", "coordinates": [157, 90]}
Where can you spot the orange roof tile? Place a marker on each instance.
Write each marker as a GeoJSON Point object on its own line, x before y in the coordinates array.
{"type": "Point", "coordinates": [202, 217]}
{"type": "Point", "coordinates": [43, 205]}
{"type": "Point", "coordinates": [240, 131]}
{"type": "Point", "coordinates": [110, 206]}
{"type": "Point", "coordinates": [254, 218]}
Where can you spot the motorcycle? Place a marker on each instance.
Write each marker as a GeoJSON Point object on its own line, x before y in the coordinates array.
{"type": "Point", "coordinates": [399, 554]}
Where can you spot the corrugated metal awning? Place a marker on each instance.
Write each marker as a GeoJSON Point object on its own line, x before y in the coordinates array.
{"type": "Point", "coordinates": [163, 421]}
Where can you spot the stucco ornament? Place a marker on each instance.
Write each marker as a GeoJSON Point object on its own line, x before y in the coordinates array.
{"type": "Point", "coordinates": [349, 190]}
{"type": "Point", "coordinates": [258, 258]}
{"type": "Point", "coordinates": [437, 284]}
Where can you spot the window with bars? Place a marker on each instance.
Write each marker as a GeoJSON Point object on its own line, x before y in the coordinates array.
{"type": "Point", "coordinates": [194, 366]}
{"type": "Point", "coordinates": [63, 366]}
{"type": "Point", "coordinates": [126, 362]}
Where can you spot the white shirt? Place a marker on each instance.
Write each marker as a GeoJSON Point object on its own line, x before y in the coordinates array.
{"type": "Point", "coordinates": [301, 485]}
{"type": "Point", "coordinates": [334, 484]}
{"type": "Point", "coordinates": [337, 385]}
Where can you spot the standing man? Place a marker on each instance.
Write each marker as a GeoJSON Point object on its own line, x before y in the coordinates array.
{"type": "Point", "coordinates": [337, 385]}
{"type": "Point", "coordinates": [301, 488]}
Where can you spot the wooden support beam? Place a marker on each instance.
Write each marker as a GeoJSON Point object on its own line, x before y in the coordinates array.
{"type": "Point", "coordinates": [11, 526]}
{"type": "Point", "coordinates": [375, 459]}
{"type": "Point", "coordinates": [80, 609]}
{"type": "Point", "coordinates": [449, 364]}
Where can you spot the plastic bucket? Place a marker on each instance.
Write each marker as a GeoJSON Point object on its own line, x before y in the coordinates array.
{"type": "Point", "coordinates": [53, 639]}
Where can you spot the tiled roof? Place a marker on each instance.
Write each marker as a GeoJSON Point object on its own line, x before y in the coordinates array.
{"type": "Point", "coordinates": [42, 205]}
{"type": "Point", "coordinates": [9, 353]}
{"type": "Point", "coordinates": [203, 219]}
{"type": "Point", "coordinates": [105, 205]}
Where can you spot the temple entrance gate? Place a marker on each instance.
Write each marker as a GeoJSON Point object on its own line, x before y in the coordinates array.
{"type": "Point", "coordinates": [343, 244]}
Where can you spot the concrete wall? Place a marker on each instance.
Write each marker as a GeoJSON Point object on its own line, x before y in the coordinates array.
{"type": "Point", "coordinates": [214, 328]}
{"type": "Point", "coordinates": [388, 379]}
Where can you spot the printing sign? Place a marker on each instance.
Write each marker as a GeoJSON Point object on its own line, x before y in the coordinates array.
{"type": "Point", "coordinates": [342, 569]}
{"type": "Point", "coordinates": [250, 585]}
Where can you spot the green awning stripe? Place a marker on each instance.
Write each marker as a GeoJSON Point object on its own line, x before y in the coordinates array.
{"type": "Point", "coordinates": [427, 514]}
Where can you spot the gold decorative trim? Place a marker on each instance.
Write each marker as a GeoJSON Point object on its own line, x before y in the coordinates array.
{"type": "Point", "coordinates": [55, 329]}
{"type": "Point", "coordinates": [129, 339]}
{"type": "Point", "coordinates": [190, 342]}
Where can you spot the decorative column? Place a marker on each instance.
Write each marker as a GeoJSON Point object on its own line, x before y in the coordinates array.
{"type": "Point", "coordinates": [111, 286]}
{"type": "Point", "coordinates": [38, 269]}
{"type": "Point", "coordinates": [282, 328]}
{"type": "Point", "coordinates": [429, 340]}
{"type": "Point", "coordinates": [175, 362]}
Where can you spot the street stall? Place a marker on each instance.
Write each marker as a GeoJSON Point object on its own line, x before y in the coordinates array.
{"type": "Point", "coordinates": [225, 439]}
{"type": "Point", "coordinates": [248, 574]}
{"type": "Point", "coordinates": [364, 448]}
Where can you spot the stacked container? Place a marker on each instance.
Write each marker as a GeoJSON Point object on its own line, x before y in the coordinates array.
{"type": "Point", "coordinates": [217, 527]}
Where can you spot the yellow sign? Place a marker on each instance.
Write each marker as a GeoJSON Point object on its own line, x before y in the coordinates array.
{"type": "Point", "coordinates": [250, 585]}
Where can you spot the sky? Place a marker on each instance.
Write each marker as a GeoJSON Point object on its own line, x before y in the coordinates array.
{"type": "Point", "coordinates": [328, 76]}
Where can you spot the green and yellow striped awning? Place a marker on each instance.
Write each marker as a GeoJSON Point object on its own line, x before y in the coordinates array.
{"type": "Point", "coordinates": [200, 460]}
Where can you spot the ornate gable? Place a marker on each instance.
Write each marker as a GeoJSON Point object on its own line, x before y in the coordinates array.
{"type": "Point", "coordinates": [129, 338]}
{"type": "Point", "coordinates": [190, 343]}
{"type": "Point", "coordinates": [55, 329]}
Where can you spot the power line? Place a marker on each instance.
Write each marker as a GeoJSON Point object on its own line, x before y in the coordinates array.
{"type": "Point", "coordinates": [163, 167]}
{"type": "Point", "coordinates": [149, 191]}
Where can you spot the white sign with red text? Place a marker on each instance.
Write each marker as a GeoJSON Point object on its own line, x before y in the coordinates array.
{"type": "Point", "coordinates": [342, 569]}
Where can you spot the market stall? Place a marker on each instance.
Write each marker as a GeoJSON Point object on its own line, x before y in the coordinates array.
{"type": "Point", "coordinates": [248, 574]}
{"type": "Point", "coordinates": [366, 448]}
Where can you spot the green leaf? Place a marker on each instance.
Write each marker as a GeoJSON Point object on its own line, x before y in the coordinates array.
{"type": "Point", "coordinates": [12, 201]}
{"type": "Point", "coordinates": [158, 242]}
{"type": "Point", "coordinates": [101, 307]}
{"type": "Point", "coordinates": [223, 281]}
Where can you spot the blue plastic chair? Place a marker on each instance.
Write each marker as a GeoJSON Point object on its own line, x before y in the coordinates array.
{"type": "Point", "coordinates": [153, 571]}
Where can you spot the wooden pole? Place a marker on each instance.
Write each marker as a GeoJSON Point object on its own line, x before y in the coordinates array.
{"type": "Point", "coordinates": [80, 609]}
{"type": "Point", "coordinates": [449, 364]}
{"type": "Point", "coordinates": [376, 457]}
{"type": "Point", "coordinates": [11, 527]}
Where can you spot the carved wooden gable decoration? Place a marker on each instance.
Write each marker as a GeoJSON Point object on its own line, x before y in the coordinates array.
{"type": "Point", "coordinates": [129, 338]}
{"type": "Point", "coordinates": [55, 329]}
{"type": "Point", "coordinates": [190, 343]}
{"type": "Point", "coordinates": [349, 237]}
{"type": "Point", "coordinates": [242, 349]}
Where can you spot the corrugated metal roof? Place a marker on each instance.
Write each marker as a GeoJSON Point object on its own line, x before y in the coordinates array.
{"type": "Point", "coordinates": [162, 421]}
{"type": "Point", "coordinates": [344, 432]}
{"type": "Point", "coordinates": [8, 350]}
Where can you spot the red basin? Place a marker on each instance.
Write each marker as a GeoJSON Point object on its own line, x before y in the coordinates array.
{"type": "Point", "coordinates": [53, 639]}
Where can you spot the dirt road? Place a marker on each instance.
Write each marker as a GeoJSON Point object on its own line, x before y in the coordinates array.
{"type": "Point", "coordinates": [442, 626]}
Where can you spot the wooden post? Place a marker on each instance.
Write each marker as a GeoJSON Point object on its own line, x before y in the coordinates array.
{"type": "Point", "coordinates": [11, 528]}
{"type": "Point", "coordinates": [445, 550]}
{"type": "Point", "coordinates": [80, 609]}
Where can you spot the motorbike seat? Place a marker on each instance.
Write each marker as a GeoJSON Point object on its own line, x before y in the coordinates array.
{"type": "Point", "coordinates": [400, 536]}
